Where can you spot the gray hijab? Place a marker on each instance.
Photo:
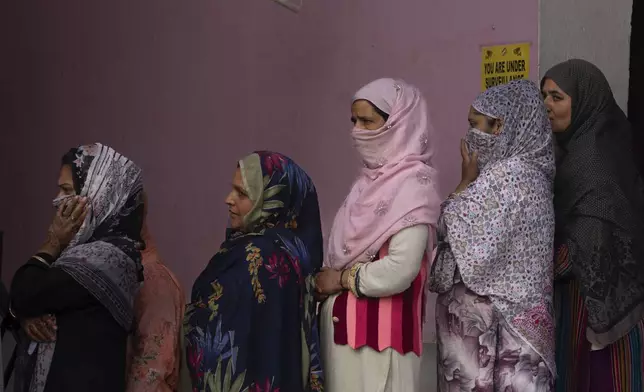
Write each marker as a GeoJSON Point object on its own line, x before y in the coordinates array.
{"type": "Point", "coordinates": [599, 203]}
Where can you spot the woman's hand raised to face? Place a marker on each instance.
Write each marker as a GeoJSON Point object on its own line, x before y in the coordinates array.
{"type": "Point", "coordinates": [327, 282]}
{"type": "Point", "coordinates": [67, 221]}
{"type": "Point", "coordinates": [469, 167]}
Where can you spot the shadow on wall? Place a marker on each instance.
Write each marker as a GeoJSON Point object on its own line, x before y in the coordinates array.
{"type": "Point", "coordinates": [187, 88]}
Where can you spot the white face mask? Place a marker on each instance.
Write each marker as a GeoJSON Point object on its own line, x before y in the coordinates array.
{"type": "Point", "coordinates": [481, 142]}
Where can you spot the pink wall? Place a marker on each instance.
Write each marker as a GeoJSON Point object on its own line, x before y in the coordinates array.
{"type": "Point", "coordinates": [187, 87]}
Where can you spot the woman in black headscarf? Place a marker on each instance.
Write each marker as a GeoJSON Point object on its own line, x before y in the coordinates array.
{"type": "Point", "coordinates": [599, 206]}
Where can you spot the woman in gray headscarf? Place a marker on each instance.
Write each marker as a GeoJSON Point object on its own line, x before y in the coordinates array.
{"type": "Point", "coordinates": [84, 278]}
{"type": "Point", "coordinates": [599, 205]}
{"type": "Point", "coordinates": [493, 267]}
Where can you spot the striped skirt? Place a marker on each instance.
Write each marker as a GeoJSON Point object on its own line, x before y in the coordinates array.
{"type": "Point", "coordinates": [618, 367]}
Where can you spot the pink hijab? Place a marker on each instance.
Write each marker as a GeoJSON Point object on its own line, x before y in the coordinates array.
{"type": "Point", "coordinates": [397, 187]}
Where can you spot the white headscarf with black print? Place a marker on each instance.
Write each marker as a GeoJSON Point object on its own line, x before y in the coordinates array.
{"type": "Point", "coordinates": [497, 235]}
{"type": "Point", "coordinates": [104, 255]}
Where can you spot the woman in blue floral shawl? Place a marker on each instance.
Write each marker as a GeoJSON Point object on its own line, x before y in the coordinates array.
{"type": "Point", "coordinates": [251, 323]}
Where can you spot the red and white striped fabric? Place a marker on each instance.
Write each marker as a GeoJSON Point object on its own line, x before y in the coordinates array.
{"type": "Point", "coordinates": [380, 323]}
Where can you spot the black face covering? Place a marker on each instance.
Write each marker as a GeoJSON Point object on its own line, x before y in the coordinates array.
{"type": "Point", "coordinates": [599, 203]}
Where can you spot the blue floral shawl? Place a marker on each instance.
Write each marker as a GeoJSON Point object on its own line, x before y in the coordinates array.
{"type": "Point", "coordinates": [251, 323]}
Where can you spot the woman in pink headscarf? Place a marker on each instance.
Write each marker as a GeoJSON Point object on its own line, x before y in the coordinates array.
{"type": "Point", "coordinates": [377, 259]}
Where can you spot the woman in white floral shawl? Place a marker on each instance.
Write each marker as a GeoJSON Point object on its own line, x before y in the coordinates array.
{"type": "Point", "coordinates": [494, 267]}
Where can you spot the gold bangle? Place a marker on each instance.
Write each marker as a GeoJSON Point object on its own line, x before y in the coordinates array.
{"type": "Point", "coordinates": [353, 273]}
{"type": "Point", "coordinates": [41, 260]}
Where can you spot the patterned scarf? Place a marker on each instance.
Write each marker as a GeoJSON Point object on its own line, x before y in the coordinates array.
{"type": "Point", "coordinates": [103, 256]}
{"type": "Point", "coordinates": [599, 203]}
{"type": "Point", "coordinates": [497, 235]}
{"type": "Point", "coordinates": [273, 261]}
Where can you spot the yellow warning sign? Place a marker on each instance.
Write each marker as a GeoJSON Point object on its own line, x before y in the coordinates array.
{"type": "Point", "coordinates": [504, 63]}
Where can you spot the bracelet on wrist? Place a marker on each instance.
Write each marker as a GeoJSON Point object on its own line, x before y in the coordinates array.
{"type": "Point", "coordinates": [353, 275]}
{"type": "Point", "coordinates": [42, 260]}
